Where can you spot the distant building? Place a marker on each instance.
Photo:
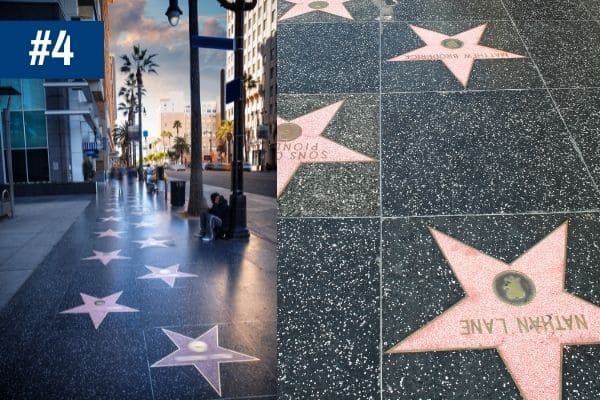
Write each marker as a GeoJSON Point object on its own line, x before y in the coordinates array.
{"type": "Point", "coordinates": [57, 124]}
{"type": "Point", "coordinates": [260, 63]}
{"type": "Point", "coordinates": [210, 123]}
{"type": "Point", "coordinates": [168, 116]}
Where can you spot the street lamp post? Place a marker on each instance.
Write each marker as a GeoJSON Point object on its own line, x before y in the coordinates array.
{"type": "Point", "coordinates": [238, 228]}
{"type": "Point", "coordinates": [9, 91]}
{"type": "Point", "coordinates": [237, 198]}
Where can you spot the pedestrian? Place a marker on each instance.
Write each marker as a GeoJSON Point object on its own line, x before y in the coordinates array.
{"type": "Point", "coordinates": [215, 221]}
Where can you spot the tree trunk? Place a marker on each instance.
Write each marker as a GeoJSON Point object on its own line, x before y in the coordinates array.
{"type": "Point", "coordinates": [197, 202]}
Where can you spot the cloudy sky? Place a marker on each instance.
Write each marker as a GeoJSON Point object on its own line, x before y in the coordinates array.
{"type": "Point", "coordinates": [144, 22]}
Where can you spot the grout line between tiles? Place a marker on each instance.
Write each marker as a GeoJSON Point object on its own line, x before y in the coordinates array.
{"type": "Point", "coordinates": [465, 91]}
{"type": "Point", "coordinates": [380, 252]}
{"type": "Point", "coordinates": [500, 214]}
{"type": "Point", "coordinates": [557, 109]}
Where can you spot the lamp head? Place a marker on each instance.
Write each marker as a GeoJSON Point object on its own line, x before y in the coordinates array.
{"type": "Point", "coordinates": [173, 12]}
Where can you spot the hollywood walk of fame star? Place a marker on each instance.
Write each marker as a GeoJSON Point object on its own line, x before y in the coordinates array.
{"type": "Point", "coordinates": [106, 258]}
{"type": "Point", "coordinates": [151, 242]}
{"type": "Point", "coordinates": [300, 142]}
{"type": "Point", "coordinates": [458, 52]}
{"type": "Point", "coordinates": [111, 210]}
{"type": "Point", "coordinates": [167, 274]}
{"type": "Point", "coordinates": [109, 233]}
{"type": "Point", "coordinates": [99, 307]}
{"type": "Point", "coordinates": [520, 309]}
{"type": "Point", "coordinates": [110, 219]}
{"type": "Point", "coordinates": [137, 213]}
{"type": "Point", "coordinates": [334, 7]}
{"type": "Point", "coordinates": [204, 353]}
{"type": "Point", "coordinates": [144, 224]}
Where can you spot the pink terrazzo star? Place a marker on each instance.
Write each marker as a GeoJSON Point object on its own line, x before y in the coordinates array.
{"type": "Point", "coordinates": [167, 274]}
{"type": "Point", "coordinates": [520, 309]}
{"type": "Point", "coordinates": [99, 307]}
{"type": "Point", "coordinates": [457, 52]}
{"type": "Point", "coordinates": [335, 7]}
{"type": "Point", "coordinates": [106, 258]}
{"type": "Point", "coordinates": [204, 353]}
{"type": "Point", "coordinates": [300, 142]}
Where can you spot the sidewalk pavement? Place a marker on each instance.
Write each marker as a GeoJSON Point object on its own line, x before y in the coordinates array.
{"type": "Point", "coordinates": [26, 239]}
{"type": "Point", "coordinates": [130, 305]}
{"type": "Point", "coordinates": [43, 221]}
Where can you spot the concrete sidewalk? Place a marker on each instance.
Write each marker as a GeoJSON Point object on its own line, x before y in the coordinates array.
{"type": "Point", "coordinates": [26, 239]}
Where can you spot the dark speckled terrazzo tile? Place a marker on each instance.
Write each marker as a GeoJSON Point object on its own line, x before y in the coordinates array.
{"type": "Point", "coordinates": [593, 6]}
{"type": "Point", "coordinates": [359, 10]}
{"type": "Point", "coordinates": [485, 152]}
{"type": "Point", "coordinates": [328, 58]}
{"type": "Point", "coordinates": [432, 75]}
{"type": "Point", "coordinates": [580, 110]}
{"type": "Point", "coordinates": [336, 189]}
{"type": "Point", "coordinates": [547, 10]}
{"type": "Point", "coordinates": [456, 10]}
{"type": "Point", "coordinates": [328, 318]}
{"type": "Point", "coordinates": [566, 52]}
{"type": "Point", "coordinates": [419, 285]}
{"type": "Point", "coordinates": [43, 367]}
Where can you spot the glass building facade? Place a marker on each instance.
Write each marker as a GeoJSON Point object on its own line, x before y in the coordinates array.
{"type": "Point", "coordinates": [28, 128]}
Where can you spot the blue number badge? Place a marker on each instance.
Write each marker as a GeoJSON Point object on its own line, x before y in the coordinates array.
{"type": "Point", "coordinates": [52, 49]}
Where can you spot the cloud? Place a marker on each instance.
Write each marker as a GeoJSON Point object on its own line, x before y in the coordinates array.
{"type": "Point", "coordinates": [135, 21]}
{"type": "Point", "coordinates": [213, 26]}
{"type": "Point", "coordinates": [130, 26]}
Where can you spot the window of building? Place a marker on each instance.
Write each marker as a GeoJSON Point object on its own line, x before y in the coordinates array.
{"type": "Point", "coordinates": [28, 130]}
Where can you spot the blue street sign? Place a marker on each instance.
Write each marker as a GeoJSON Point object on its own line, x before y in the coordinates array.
{"type": "Point", "coordinates": [145, 134]}
{"type": "Point", "coordinates": [233, 90]}
{"type": "Point", "coordinates": [212, 42]}
{"type": "Point", "coordinates": [52, 49]}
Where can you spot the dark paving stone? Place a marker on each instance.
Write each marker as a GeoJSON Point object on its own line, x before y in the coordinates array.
{"type": "Point", "coordinates": [109, 365]}
{"type": "Point", "coordinates": [418, 285]}
{"type": "Point", "coordinates": [328, 296]}
{"type": "Point", "coordinates": [593, 6]}
{"type": "Point", "coordinates": [336, 189]}
{"type": "Point", "coordinates": [547, 10]}
{"type": "Point", "coordinates": [398, 38]}
{"type": "Point", "coordinates": [494, 152]}
{"type": "Point", "coordinates": [456, 10]}
{"type": "Point", "coordinates": [579, 109]}
{"type": "Point", "coordinates": [230, 287]}
{"type": "Point", "coordinates": [238, 380]}
{"type": "Point", "coordinates": [328, 58]}
{"type": "Point", "coordinates": [566, 52]}
{"type": "Point", "coordinates": [360, 10]}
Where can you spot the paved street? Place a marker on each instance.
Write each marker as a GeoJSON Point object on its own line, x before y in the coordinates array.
{"type": "Point", "coordinates": [262, 183]}
{"type": "Point", "coordinates": [130, 305]}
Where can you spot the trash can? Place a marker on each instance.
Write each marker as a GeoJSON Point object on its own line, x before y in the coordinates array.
{"type": "Point", "coordinates": [177, 193]}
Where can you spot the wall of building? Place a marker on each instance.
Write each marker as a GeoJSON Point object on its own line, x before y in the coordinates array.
{"type": "Point", "coordinates": [260, 63]}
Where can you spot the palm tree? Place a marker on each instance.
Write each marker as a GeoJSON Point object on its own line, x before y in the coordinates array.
{"type": "Point", "coordinates": [180, 147]}
{"type": "Point", "coordinates": [225, 134]}
{"type": "Point", "coordinates": [166, 135]}
{"type": "Point", "coordinates": [121, 137]}
{"type": "Point", "coordinates": [135, 65]}
{"type": "Point", "coordinates": [176, 126]}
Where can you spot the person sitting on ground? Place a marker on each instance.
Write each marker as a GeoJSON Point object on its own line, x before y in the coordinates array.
{"type": "Point", "coordinates": [215, 221]}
